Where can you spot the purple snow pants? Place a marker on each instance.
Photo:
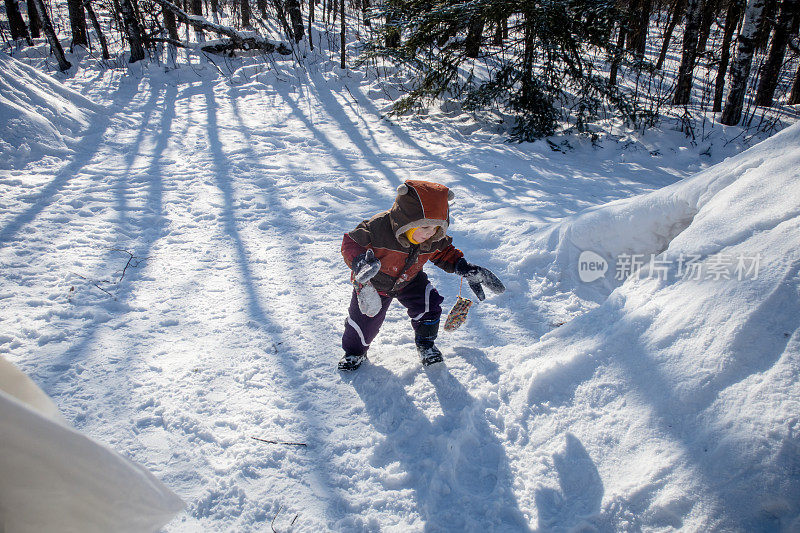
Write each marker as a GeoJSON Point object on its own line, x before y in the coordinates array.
{"type": "Point", "coordinates": [419, 297]}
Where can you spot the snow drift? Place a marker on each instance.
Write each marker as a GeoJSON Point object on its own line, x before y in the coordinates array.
{"type": "Point", "coordinates": [38, 115]}
{"type": "Point", "coordinates": [53, 478]}
{"type": "Point", "coordinates": [678, 396]}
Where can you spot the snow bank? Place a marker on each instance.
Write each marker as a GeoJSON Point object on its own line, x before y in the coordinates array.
{"type": "Point", "coordinates": [38, 115]}
{"type": "Point", "coordinates": [681, 389]}
{"type": "Point", "coordinates": [53, 478]}
{"type": "Point", "coordinates": [641, 225]}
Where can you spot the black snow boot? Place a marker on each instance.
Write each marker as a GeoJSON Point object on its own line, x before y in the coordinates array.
{"type": "Point", "coordinates": [351, 361]}
{"type": "Point", "coordinates": [425, 335]}
{"type": "Point", "coordinates": [429, 354]}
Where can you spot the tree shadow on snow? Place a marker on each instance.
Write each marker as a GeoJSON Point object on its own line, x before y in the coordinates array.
{"type": "Point", "coordinates": [455, 465]}
{"type": "Point", "coordinates": [581, 489]}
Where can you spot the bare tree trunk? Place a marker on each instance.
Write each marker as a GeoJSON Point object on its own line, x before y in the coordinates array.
{"type": "Point", "coordinates": [170, 23]}
{"type": "Point", "coordinates": [709, 15]}
{"type": "Point", "coordinates": [770, 72]}
{"type": "Point", "coordinates": [472, 43]}
{"type": "Point", "coordinates": [392, 32]}
{"type": "Point", "coordinates": [262, 8]}
{"type": "Point", "coordinates": [310, 22]}
{"type": "Point", "coordinates": [794, 97]}
{"type": "Point", "coordinates": [365, 6]}
{"type": "Point", "coordinates": [77, 22]}
{"type": "Point", "coordinates": [694, 11]}
{"type": "Point", "coordinates": [765, 27]}
{"type": "Point", "coordinates": [97, 29]}
{"type": "Point", "coordinates": [244, 6]}
{"type": "Point", "coordinates": [732, 18]}
{"type": "Point", "coordinates": [500, 32]}
{"type": "Point", "coordinates": [343, 43]}
{"type": "Point", "coordinates": [740, 69]}
{"type": "Point", "coordinates": [197, 9]}
{"type": "Point", "coordinates": [677, 13]}
{"type": "Point", "coordinates": [52, 38]}
{"type": "Point", "coordinates": [638, 39]}
{"type": "Point", "coordinates": [618, 51]}
{"type": "Point", "coordinates": [133, 30]}
{"type": "Point", "coordinates": [296, 18]}
{"type": "Point", "coordinates": [527, 59]}
{"type": "Point", "coordinates": [15, 22]}
{"type": "Point", "coordinates": [33, 20]}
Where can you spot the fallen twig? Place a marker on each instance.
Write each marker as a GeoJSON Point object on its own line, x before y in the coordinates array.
{"type": "Point", "coordinates": [272, 525]}
{"type": "Point", "coordinates": [95, 283]}
{"type": "Point", "coordinates": [280, 442]}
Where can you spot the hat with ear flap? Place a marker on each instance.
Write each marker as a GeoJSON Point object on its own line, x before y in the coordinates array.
{"type": "Point", "coordinates": [421, 203]}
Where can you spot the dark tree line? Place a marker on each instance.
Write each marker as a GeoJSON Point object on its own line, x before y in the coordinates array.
{"type": "Point", "coordinates": [547, 62]}
{"type": "Point", "coordinates": [556, 61]}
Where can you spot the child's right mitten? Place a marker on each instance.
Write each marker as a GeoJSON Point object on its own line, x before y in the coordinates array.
{"type": "Point", "coordinates": [365, 267]}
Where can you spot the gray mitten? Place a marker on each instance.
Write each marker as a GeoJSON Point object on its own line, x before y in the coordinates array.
{"type": "Point", "coordinates": [477, 276]}
{"type": "Point", "coordinates": [365, 267]}
{"type": "Point", "coordinates": [369, 301]}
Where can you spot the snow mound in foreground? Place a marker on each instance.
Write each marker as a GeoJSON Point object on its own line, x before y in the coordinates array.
{"type": "Point", "coordinates": [38, 115]}
{"type": "Point", "coordinates": [53, 478]}
{"type": "Point", "coordinates": [680, 391]}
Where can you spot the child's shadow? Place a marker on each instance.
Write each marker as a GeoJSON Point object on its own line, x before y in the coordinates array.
{"type": "Point", "coordinates": [455, 465]}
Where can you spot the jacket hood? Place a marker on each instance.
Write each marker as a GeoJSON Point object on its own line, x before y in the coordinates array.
{"type": "Point", "coordinates": [420, 203]}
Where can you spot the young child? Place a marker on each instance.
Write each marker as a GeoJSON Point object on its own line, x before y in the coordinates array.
{"type": "Point", "coordinates": [386, 254]}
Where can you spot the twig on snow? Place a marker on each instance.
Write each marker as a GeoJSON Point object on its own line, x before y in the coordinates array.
{"type": "Point", "coordinates": [131, 259]}
{"type": "Point", "coordinates": [280, 442]}
{"type": "Point", "coordinates": [272, 525]}
{"type": "Point", "coordinates": [96, 284]}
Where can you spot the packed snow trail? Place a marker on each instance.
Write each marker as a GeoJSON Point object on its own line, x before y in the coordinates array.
{"type": "Point", "coordinates": [232, 193]}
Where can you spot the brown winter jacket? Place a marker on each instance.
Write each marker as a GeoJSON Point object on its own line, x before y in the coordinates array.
{"type": "Point", "coordinates": [418, 203]}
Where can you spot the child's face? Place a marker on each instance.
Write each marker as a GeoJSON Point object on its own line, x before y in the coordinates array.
{"type": "Point", "coordinates": [424, 233]}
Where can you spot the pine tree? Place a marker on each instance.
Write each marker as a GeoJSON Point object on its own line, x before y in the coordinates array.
{"type": "Point", "coordinates": [543, 70]}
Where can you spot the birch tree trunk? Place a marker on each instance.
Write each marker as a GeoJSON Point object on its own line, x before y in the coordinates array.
{"type": "Point", "coordinates": [52, 38]}
{"type": "Point", "coordinates": [732, 18]}
{"type": "Point", "coordinates": [694, 12]}
{"type": "Point", "coordinates": [740, 69]}
{"type": "Point", "coordinates": [770, 72]}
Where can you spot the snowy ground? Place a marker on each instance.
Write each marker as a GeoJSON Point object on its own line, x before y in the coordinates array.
{"type": "Point", "coordinates": [232, 192]}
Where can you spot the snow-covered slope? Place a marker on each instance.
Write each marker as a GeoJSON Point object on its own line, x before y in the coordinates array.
{"type": "Point", "coordinates": [676, 400]}
{"type": "Point", "coordinates": [38, 115]}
